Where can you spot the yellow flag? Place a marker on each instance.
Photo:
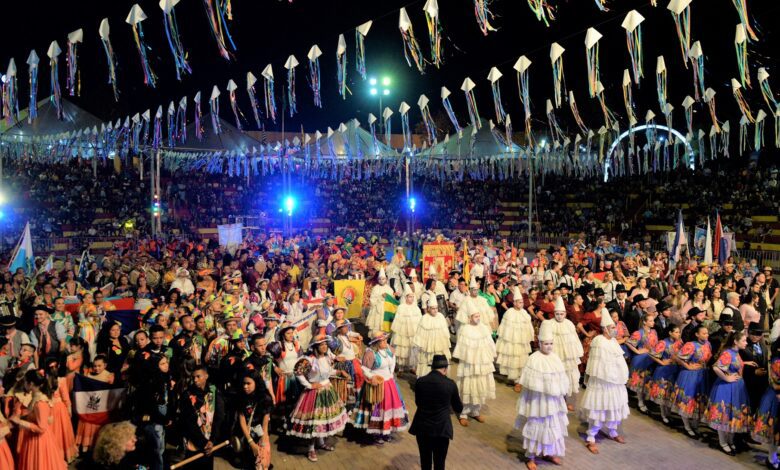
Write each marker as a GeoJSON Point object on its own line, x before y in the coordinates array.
{"type": "Point", "coordinates": [466, 267]}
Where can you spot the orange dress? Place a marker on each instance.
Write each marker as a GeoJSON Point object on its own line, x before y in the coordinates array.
{"type": "Point", "coordinates": [63, 429]}
{"type": "Point", "coordinates": [37, 448]}
{"type": "Point", "coordinates": [86, 433]}
{"type": "Point", "coordinates": [6, 458]}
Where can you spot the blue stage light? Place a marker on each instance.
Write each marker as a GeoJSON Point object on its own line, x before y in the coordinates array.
{"type": "Point", "coordinates": [289, 205]}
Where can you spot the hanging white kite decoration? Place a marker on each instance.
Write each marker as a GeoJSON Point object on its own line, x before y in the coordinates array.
{"type": "Point", "coordinates": [250, 90]}
{"type": "Point", "coordinates": [32, 67]}
{"type": "Point", "coordinates": [633, 26]}
{"type": "Point", "coordinates": [10, 97]}
{"type": "Point", "coordinates": [412, 51]}
{"type": "Point", "coordinates": [543, 10]}
{"type": "Point", "coordinates": [237, 114]}
{"type": "Point", "coordinates": [628, 99]}
{"type": "Point", "coordinates": [135, 19]}
{"type": "Point", "coordinates": [740, 44]}
{"type": "Point", "coordinates": [72, 58]}
{"type": "Point", "coordinates": [171, 124]}
{"type": "Point", "coordinates": [445, 100]}
{"type": "Point", "coordinates": [425, 111]}
{"type": "Point", "coordinates": [681, 12]}
{"type": "Point", "coordinates": [687, 104]}
{"type": "Point", "coordinates": [668, 114]}
{"type": "Point", "coordinates": [372, 126]}
{"type": "Point", "coordinates": [484, 15]}
{"type": "Point", "coordinates": [744, 122]}
{"type": "Point", "coordinates": [758, 139]}
{"type": "Point", "coordinates": [766, 90]}
{"type": "Point", "coordinates": [174, 38]}
{"type": "Point", "coordinates": [360, 47]}
{"type": "Point", "coordinates": [403, 109]}
{"type": "Point", "coordinates": [214, 110]}
{"type": "Point", "coordinates": [609, 117]}
{"type": "Point", "coordinates": [468, 88]}
{"type": "Point", "coordinates": [104, 30]}
{"type": "Point", "coordinates": [198, 117]}
{"type": "Point", "coordinates": [521, 66]}
{"type": "Point", "coordinates": [290, 65]}
{"type": "Point", "coordinates": [556, 133]}
{"type": "Point", "coordinates": [741, 102]}
{"type": "Point", "coordinates": [56, 94]}
{"type": "Point", "coordinates": [592, 38]}
{"type": "Point", "coordinates": [709, 98]}
{"type": "Point", "coordinates": [697, 63]}
{"type": "Point", "coordinates": [725, 139]}
{"type": "Point", "coordinates": [270, 100]}
{"type": "Point", "coordinates": [341, 66]}
{"type": "Point", "coordinates": [157, 131]}
{"type": "Point", "coordinates": [386, 115]}
{"type": "Point", "coordinates": [576, 113]}
{"type": "Point", "coordinates": [660, 81]}
{"type": "Point", "coordinates": [494, 76]}
{"type": "Point", "coordinates": [431, 9]}
{"type": "Point", "coordinates": [181, 120]}
{"type": "Point", "coordinates": [556, 58]}
{"type": "Point", "coordinates": [314, 74]}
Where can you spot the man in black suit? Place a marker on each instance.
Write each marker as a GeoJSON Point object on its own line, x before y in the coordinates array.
{"type": "Point", "coordinates": [435, 394]}
{"type": "Point", "coordinates": [620, 303]}
{"type": "Point", "coordinates": [662, 319]}
{"type": "Point", "coordinates": [634, 315]}
{"type": "Point", "coordinates": [755, 356]}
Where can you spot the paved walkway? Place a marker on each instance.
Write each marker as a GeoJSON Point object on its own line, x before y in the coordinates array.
{"type": "Point", "coordinates": [495, 444]}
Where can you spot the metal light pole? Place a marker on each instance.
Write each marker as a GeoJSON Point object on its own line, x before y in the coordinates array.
{"type": "Point", "coordinates": [380, 89]}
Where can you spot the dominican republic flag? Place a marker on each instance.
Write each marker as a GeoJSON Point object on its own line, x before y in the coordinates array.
{"type": "Point", "coordinates": [680, 239]}
{"type": "Point", "coordinates": [96, 401]}
{"type": "Point", "coordinates": [23, 254]}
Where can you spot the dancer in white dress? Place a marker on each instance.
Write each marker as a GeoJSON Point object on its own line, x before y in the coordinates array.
{"type": "Point", "coordinates": [514, 340]}
{"type": "Point", "coordinates": [475, 303]}
{"type": "Point", "coordinates": [476, 351]}
{"type": "Point", "coordinates": [605, 401]}
{"type": "Point", "coordinates": [567, 347]}
{"type": "Point", "coordinates": [541, 408]}
{"type": "Point", "coordinates": [376, 313]}
{"type": "Point", "coordinates": [432, 337]}
{"type": "Point", "coordinates": [404, 327]}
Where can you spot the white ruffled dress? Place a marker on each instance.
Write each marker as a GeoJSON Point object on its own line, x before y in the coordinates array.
{"type": "Point", "coordinates": [432, 337]}
{"type": "Point", "coordinates": [407, 319]}
{"type": "Point", "coordinates": [605, 398]}
{"type": "Point", "coordinates": [476, 352]}
{"type": "Point", "coordinates": [541, 407]}
{"type": "Point", "coordinates": [567, 346]}
{"type": "Point", "coordinates": [515, 334]}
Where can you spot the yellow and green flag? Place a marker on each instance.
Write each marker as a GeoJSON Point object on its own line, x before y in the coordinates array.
{"type": "Point", "coordinates": [391, 305]}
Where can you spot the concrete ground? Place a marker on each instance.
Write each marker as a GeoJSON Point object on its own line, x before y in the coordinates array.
{"type": "Point", "coordinates": [496, 444]}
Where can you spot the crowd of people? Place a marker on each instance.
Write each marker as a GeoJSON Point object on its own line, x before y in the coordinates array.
{"type": "Point", "coordinates": [244, 346]}
{"type": "Point", "coordinates": [52, 196]}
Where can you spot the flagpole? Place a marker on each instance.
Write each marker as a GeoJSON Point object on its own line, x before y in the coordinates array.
{"type": "Point", "coordinates": [18, 245]}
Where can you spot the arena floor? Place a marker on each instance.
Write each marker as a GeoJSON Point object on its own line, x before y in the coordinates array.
{"type": "Point", "coordinates": [495, 444]}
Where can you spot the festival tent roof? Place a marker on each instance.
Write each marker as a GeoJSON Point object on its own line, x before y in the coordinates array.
{"type": "Point", "coordinates": [47, 124]}
{"type": "Point", "coordinates": [353, 141]}
{"type": "Point", "coordinates": [229, 139]}
{"type": "Point", "coordinates": [474, 144]}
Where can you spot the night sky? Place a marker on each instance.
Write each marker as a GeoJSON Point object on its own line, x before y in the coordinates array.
{"type": "Point", "coordinates": [270, 30]}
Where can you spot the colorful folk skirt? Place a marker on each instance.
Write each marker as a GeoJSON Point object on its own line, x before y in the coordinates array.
{"type": "Point", "coordinates": [765, 427]}
{"type": "Point", "coordinates": [690, 393]}
{"type": "Point", "coordinates": [729, 407]}
{"type": "Point", "coordinates": [287, 389]}
{"type": "Point", "coordinates": [319, 413]}
{"type": "Point", "coordinates": [659, 388]}
{"type": "Point", "coordinates": [381, 413]}
{"type": "Point", "coordinates": [641, 368]}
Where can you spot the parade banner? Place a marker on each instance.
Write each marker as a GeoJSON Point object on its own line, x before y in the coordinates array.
{"type": "Point", "coordinates": [440, 255]}
{"type": "Point", "coordinates": [391, 306]}
{"type": "Point", "coordinates": [350, 294]}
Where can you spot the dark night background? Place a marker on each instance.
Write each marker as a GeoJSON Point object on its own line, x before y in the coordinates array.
{"type": "Point", "coordinates": [270, 30]}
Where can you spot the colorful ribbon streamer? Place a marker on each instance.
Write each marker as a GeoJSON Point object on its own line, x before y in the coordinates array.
{"type": "Point", "coordinates": [484, 15]}
{"type": "Point", "coordinates": [10, 94]}
{"type": "Point", "coordinates": [709, 98]}
{"type": "Point", "coordinates": [32, 62]}
{"type": "Point", "coordinates": [341, 66]}
{"type": "Point", "coordinates": [181, 120]}
{"type": "Point", "coordinates": [216, 11]}
{"type": "Point", "coordinates": [744, 17]}
{"type": "Point", "coordinates": [150, 78]}
{"type": "Point", "coordinates": [445, 100]}
{"type": "Point", "coordinates": [250, 90]}
{"type": "Point", "coordinates": [171, 125]}
{"type": "Point", "coordinates": [237, 114]}
{"type": "Point", "coordinates": [556, 57]}
{"type": "Point", "coordinates": [740, 45]}
{"type": "Point", "coordinates": [270, 100]}
{"type": "Point", "coordinates": [521, 66]}
{"type": "Point", "coordinates": [494, 76]}
{"type": "Point", "coordinates": [360, 48]}
{"type": "Point", "coordinates": [431, 9]}
{"type": "Point", "coordinates": [290, 65]}
{"type": "Point", "coordinates": [576, 113]}
{"type": "Point", "coordinates": [198, 117]}
{"type": "Point", "coordinates": [412, 52]}
{"type": "Point", "coordinates": [697, 63]}
{"type": "Point", "coordinates": [157, 136]}
{"type": "Point", "coordinates": [660, 82]}
{"type": "Point", "coordinates": [741, 102]}
{"type": "Point", "coordinates": [54, 76]}
{"type": "Point", "coordinates": [543, 10]}
{"type": "Point", "coordinates": [72, 59]}
{"type": "Point", "coordinates": [468, 88]}
{"type": "Point", "coordinates": [110, 56]}
{"type": "Point", "coordinates": [430, 125]}
{"type": "Point", "coordinates": [628, 99]}
{"type": "Point", "coordinates": [681, 13]}
{"type": "Point", "coordinates": [314, 74]}
{"type": "Point", "coordinates": [174, 41]}
{"type": "Point", "coordinates": [633, 26]}
{"type": "Point", "coordinates": [216, 125]}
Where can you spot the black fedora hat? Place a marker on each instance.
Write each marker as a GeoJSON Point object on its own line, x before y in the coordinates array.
{"type": "Point", "coordinates": [439, 362]}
